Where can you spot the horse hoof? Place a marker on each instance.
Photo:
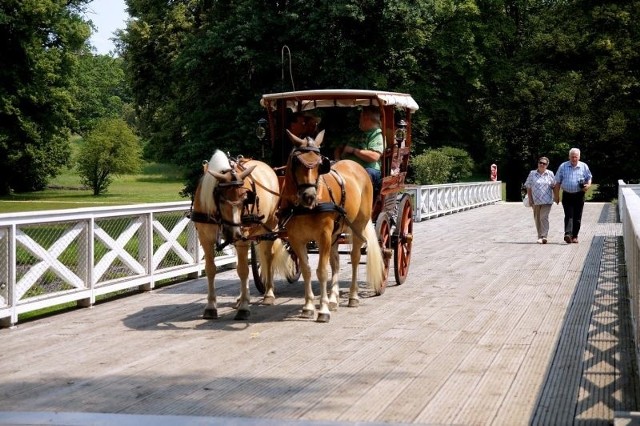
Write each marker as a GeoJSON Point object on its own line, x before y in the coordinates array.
{"type": "Point", "coordinates": [306, 313]}
{"type": "Point", "coordinates": [242, 315]}
{"type": "Point", "coordinates": [333, 306]}
{"type": "Point", "coordinates": [268, 300]}
{"type": "Point", "coordinates": [210, 313]}
{"type": "Point", "coordinates": [323, 318]}
{"type": "Point", "coordinates": [354, 303]}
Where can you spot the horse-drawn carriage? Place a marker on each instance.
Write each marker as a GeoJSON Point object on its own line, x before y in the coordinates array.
{"type": "Point", "coordinates": [321, 203]}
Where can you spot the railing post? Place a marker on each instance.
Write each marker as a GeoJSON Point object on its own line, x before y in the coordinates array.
{"type": "Point", "coordinates": [193, 247]}
{"type": "Point", "coordinates": [85, 263]}
{"type": "Point", "coordinates": [145, 250]}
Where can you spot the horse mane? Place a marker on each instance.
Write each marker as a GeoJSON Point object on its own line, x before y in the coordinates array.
{"type": "Point", "coordinates": [218, 163]}
{"type": "Point", "coordinates": [288, 190]}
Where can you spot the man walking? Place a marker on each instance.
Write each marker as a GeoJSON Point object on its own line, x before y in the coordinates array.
{"type": "Point", "coordinates": [574, 177]}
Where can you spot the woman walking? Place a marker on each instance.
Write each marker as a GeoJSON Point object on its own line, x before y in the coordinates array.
{"type": "Point", "coordinates": [539, 184]}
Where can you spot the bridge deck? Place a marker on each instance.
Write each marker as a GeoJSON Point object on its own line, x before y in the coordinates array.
{"type": "Point", "coordinates": [490, 328]}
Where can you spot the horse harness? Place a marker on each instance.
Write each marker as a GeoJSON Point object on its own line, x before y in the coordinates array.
{"type": "Point", "coordinates": [324, 167]}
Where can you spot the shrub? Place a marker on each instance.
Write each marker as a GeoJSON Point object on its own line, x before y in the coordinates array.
{"type": "Point", "coordinates": [431, 167]}
{"type": "Point", "coordinates": [442, 165]}
{"type": "Point", "coordinates": [462, 164]}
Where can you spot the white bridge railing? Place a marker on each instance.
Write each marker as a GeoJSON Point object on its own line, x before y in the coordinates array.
{"type": "Point", "coordinates": [629, 211]}
{"type": "Point", "coordinates": [437, 200]}
{"type": "Point", "coordinates": [57, 257]}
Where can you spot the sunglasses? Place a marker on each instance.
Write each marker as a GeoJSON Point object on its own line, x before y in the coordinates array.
{"type": "Point", "coordinates": [542, 162]}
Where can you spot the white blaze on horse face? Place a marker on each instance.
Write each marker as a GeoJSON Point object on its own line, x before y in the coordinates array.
{"type": "Point", "coordinates": [237, 218]}
{"type": "Point", "coordinates": [307, 192]}
{"type": "Point", "coordinates": [231, 212]}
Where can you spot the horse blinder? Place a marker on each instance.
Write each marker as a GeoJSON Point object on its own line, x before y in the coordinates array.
{"type": "Point", "coordinates": [251, 198]}
{"type": "Point", "coordinates": [325, 166]}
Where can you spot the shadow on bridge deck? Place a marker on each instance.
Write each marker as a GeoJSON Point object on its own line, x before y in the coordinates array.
{"type": "Point", "coordinates": [594, 369]}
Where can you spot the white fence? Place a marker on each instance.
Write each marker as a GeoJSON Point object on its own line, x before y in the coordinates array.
{"type": "Point", "coordinates": [55, 257]}
{"type": "Point", "coordinates": [436, 200]}
{"type": "Point", "coordinates": [629, 211]}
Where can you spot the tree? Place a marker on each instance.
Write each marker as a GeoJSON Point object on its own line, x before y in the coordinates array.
{"type": "Point", "coordinates": [39, 43]}
{"type": "Point", "coordinates": [198, 68]}
{"type": "Point", "coordinates": [505, 80]}
{"type": "Point", "coordinates": [110, 149]}
{"type": "Point", "coordinates": [573, 81]}
{"type": "Point", "coordinates": [99, 89]}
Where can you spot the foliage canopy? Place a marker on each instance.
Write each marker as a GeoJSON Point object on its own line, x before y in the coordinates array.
{"type": "Point", "coordinates": [505, 80]}
{"type": "Point", "coordinates": [39, 44]}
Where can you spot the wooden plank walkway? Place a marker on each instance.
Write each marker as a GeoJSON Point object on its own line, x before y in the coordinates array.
{"type": "Point", "coordinates": [490, 328]}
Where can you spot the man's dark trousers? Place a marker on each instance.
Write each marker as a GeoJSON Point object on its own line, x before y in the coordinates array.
{"type": "Point", "coordinates": [572, 204]}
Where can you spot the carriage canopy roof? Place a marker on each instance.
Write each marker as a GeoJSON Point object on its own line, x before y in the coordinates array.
{"type": "Point", "coordinates": [305, 100]}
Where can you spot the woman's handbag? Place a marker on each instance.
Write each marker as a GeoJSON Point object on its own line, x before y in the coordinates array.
{"type": "Point", "coordinates": [525, 201]}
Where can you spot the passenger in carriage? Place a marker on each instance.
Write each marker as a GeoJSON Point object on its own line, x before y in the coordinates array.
{"type": "Point", "coordinates": [368, 151]}
{"type": "Point", "coordinates": [302, 125]}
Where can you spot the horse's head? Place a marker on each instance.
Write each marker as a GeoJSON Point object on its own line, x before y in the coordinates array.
{"type": "Point", "coordinates": [230, 195]}
{"type": "Point", "coordinates": [306, 165]}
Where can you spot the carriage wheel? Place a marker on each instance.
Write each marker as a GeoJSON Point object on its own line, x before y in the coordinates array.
{"type": "Point", "coordinates": [383, 231]}
{"type": "Point", "coordinates": [255, 269]}
{"type": "Point", "coordinates": [403, 239]}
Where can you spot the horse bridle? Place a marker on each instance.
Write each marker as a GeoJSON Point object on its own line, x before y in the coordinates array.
{"type": "Point", "coordinates": [322, 163]}
{"type": "Point", "coordinates": [219, 196]}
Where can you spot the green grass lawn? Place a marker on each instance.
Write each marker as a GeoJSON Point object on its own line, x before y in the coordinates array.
{"type": "Point", "coordinates": [157, 183]}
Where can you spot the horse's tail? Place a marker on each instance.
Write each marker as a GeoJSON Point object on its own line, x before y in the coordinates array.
{"type": "Point", "coordinates": [282, 263]}
{"type": "Point", "coordinates": [375, 263]}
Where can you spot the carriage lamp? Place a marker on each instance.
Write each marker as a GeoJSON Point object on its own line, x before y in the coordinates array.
{"type": "Point", "coordinates": [401, 131]}
{"type": "Point", "coordinates": [261, 129]}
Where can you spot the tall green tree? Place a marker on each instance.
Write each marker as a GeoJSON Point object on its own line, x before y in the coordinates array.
{"type": "Point", "coordinates": [39, 44]}
{"type": "Point", "coordinates": [572, 81]}
{"type": "Point", "coordinates": [99, 89]}
{"type": "Point", "coordinates": [198, 69]}
{"type": "Point", "coordinates": [594, 65]}
{"type": "Point", "coordinates": [506, 80]}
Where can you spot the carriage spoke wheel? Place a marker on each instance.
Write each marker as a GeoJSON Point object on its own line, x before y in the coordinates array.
{"type": "Point", "coordinates": [403, 239]}
{"type": "Point", "coordinates": [255, 269]}
{"type": "Point", "coordinates": [383, 231]}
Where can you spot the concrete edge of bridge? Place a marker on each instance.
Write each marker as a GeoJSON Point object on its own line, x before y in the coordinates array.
{"type": "Point", "coordinates": [104, 419]}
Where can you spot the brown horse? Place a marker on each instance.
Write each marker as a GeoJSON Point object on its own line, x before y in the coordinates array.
{"type": "Point", "coordinates": [318, 203]}
{"type": "Point", "coordinates": [238, 203]}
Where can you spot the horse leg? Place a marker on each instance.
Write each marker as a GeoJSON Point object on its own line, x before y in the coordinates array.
{"type": "Point", "coordinates": [334, 260]}
{"type": "Point", "coordinates": [300, 249]}
{"type": "Point", "coordinates": [356, 252]}
{"type": "Point", "coordinates": [324, 313]}
{"type": "Point", "coordinates": [211, 309]}
{"type": "Point", "coordinates": [244, 301]}
{"type": "Point", "coordinates": [266, 254]}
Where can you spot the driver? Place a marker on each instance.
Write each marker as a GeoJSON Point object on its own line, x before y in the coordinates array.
{"type": "Point", "coordinates": [368, 150]}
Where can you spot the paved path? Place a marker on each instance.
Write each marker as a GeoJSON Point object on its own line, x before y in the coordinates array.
{"type": "Point", "coordinates": [490, 328]}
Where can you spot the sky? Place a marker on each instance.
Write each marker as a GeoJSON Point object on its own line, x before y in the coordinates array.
{"type": "Point", "coordinates": [108, 16]}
